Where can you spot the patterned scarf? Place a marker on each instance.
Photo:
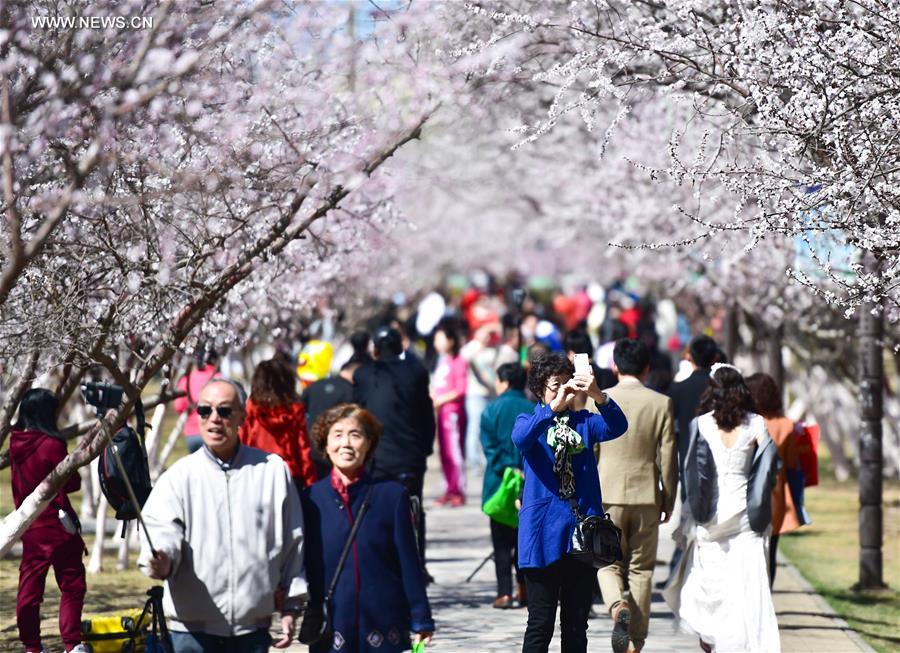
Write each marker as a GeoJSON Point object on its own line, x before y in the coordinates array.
{"type": "Point", "coordinates": [565, 443]}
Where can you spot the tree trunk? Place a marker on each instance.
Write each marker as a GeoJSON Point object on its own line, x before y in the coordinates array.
{"type": "Point", "coordinates": [731, 333]}
{"type": "Point", "coordinates": [156, 466]}
{"type": "Point", "coordinates": [95, 563]}
{"type": "Point", "coordinates": [774, 343]}
{"type": "Point", "coordinates": [871, 373]}
{"type": "Point", "coordinates": [17, 390]}
{"type": "Point", "coordinates": [122, 560]}
{"type": "Point", "coordinates": [152, 440]}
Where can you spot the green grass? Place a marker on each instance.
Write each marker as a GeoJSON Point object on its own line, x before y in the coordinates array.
{"type": "Point", "coordinates": [826, 553]}
{"type": "Point", "coordinates": [109, 592]}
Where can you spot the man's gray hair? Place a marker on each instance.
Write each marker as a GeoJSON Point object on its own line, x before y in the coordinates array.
{"type": "Point", "coordinates": [238, 388]}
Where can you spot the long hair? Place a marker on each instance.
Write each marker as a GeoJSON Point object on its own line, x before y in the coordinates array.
{"type": "Point", "coordinates": [450, 329]}
{"type": "Point", "coordinates": [728, 397]}
{"type": "Point", "coordinates": [37, 412]}
{"type": "Point", "coordinates": [274, 384]}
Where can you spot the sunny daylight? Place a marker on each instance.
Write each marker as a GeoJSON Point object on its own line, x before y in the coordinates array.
{"type": "Point", "coordinates": [471, 326]}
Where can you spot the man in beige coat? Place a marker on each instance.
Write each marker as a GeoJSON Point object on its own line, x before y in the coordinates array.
{"type": "Point", "coordinates": [638, 477]}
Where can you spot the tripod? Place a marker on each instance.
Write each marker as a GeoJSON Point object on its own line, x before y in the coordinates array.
{"type": "Point", "coordinates": [160, 642]}
{"type": "Point", "coordinates": [157, 642]}
{"type": "Point", "coordinates": [490, 556]}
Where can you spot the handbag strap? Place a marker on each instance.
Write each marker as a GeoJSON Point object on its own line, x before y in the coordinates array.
{"type": "Point", "coordinates": [349, 543]}
{"type": "Point", "coordinates": [573, 504]}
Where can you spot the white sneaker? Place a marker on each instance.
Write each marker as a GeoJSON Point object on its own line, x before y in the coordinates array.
{"type": "Point", "coordinates": [81, 648]}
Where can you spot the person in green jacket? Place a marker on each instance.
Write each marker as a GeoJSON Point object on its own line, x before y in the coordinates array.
{"type": "Point", "coordinates": [497, 422]}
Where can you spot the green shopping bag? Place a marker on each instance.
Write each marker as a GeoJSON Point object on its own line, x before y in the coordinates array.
{"type": "Point", "coordinates": [501, 507]}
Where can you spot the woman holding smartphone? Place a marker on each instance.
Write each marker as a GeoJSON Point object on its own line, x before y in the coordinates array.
{"type": "Point", "coordinates": [556, 442]}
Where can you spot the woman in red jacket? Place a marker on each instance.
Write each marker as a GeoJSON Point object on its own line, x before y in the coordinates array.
{"type": "Point", "coordinates": [276, 421]}
{"type": "Point", "coordinates": [54, 538]}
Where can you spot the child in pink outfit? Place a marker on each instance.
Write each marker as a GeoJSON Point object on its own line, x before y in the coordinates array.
{"type": "Point", "coordinates": [448, 391]}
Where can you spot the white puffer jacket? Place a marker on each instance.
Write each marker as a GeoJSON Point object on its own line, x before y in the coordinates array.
{"type": "Point", "coordinates": [234, 534]}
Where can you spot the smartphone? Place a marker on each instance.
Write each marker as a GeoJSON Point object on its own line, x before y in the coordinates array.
{"type": "Point", "coordinates": [582, 364]}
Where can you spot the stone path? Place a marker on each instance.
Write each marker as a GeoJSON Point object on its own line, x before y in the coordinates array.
{"type": "Point", "coordinates": [459, 538]}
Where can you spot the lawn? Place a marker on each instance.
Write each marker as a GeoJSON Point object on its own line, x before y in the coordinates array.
{"type": "Point", "coordinates": [109, 592]}
{"type": "Point", "coordinates": [826, 553]}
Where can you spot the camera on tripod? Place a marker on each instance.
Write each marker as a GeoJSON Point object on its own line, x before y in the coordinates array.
{"type": "Point", "coordinates": [102, 396]}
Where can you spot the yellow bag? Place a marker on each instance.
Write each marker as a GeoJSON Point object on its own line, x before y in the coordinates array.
{"type": "Point", "coordinates": [122, 633]}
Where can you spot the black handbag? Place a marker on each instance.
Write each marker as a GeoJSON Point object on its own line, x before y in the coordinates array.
{"type": "Point", "coordinates": [316, 626]}
{"type": "Point", "coordinates": [596, 541]}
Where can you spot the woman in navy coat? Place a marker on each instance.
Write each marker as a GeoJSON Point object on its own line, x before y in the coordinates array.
{"type": "Point", "coordinates": [557, 446]}
{"type": "Point", "coordinates": [380, 594]}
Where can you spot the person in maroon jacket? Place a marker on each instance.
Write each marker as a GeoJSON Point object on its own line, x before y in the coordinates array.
{"type": "Point", "coordinates": [54, 538]}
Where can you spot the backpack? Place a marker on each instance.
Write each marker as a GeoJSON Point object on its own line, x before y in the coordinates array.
{"type": "Point", "coordinates": [128, 444]}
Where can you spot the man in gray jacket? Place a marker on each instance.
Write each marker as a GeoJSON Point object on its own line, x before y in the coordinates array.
{"type": "Point", "coordinates": [227, 530]}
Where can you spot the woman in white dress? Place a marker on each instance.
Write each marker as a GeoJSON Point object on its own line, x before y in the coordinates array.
{"type": "Point", "coordinates": [720, 589]}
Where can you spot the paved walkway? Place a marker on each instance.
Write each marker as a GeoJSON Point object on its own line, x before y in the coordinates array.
{"type": "Point", "coordinates": [459, 538]}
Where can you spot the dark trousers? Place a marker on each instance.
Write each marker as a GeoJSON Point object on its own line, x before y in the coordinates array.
{"type": "Point", "coordinates": [41, 550]}
{"type": "Point", "coordinates": [258, 642]}
{"type": "Point", "coordinates": [569, 584]}
{"type": "Point", "coordinates": [414, 484]}
{"type": "Point", "coordinates": [505, 540]}
{"type": "Point", "coordinates": [773, 555]}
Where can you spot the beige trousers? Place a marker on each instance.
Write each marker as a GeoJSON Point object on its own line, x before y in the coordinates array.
{"type": "Point", "coordinates": [640, 535]}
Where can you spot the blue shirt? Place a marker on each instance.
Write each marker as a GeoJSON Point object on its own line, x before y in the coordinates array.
{"type": "Point", "coordinates": [546, 522]}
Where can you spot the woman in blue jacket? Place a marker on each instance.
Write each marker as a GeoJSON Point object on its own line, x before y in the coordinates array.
{"type": "Point", "coordinates": [557, 445]}
{"type": "Point", "coordinates": [380, 595]}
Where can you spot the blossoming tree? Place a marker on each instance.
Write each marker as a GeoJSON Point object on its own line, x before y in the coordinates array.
{"type": "Point", "coordinates": [181, 179]}
{"type": "Point", "coordinates": [796, 107]}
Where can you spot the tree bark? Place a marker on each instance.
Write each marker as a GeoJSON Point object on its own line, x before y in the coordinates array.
{"type": "Point", "coordinates": [871, 395]}
{"type": "Point", "coordinates": [731, 333]}
{"type": "Point", "coordinates": [15, 394]}
{"type": "Point", "coordinates": [95, 563]}
{"type": "Point", "coordinates": [774, 344]}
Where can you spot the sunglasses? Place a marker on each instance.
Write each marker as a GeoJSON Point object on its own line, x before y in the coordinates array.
{"type": "Point", "coordinates": [224, 412]}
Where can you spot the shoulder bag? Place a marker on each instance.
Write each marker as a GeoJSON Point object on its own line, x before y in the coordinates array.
{"type": "Point", "coordinates": [316, 626]}
{"type": "Point", "coordinates": [596, 541]}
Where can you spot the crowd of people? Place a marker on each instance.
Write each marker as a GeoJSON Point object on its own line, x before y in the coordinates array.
{"type": "Point", "coordinates": [311, 503]}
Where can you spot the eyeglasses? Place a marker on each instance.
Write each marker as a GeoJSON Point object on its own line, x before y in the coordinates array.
{"type": "Point", "coordinates": [225, 412]}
